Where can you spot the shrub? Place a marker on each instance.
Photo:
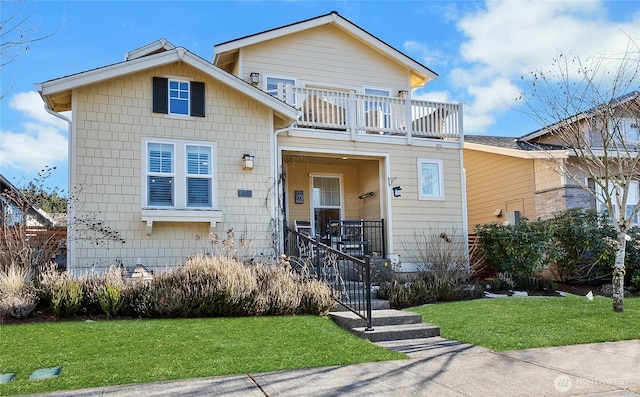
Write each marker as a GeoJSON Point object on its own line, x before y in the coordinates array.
{"type": "Point", "coordinates": [61, 291]}
{"type": "Point", "coordinates": [584, 238]}
{"type": "Point", "coordinates": [280, 289]}
{"type": "Point", "coordinates": [316, 298]}
{"type": "Point", "coordinates": [18, 295]}
{"type": "Point", "coordinates": [523, 249]}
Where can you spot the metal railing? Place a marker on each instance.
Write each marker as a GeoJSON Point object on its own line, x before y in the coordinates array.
{"type": "Point", "coordinates": [348, 277]}
{"type": "Point", "coordinates": [371, 114]}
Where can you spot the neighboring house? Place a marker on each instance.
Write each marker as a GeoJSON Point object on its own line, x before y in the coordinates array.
{"type": "Point", "coordinates": [16, 209]}
{"type": "Point", "coordinates": [308, 122]}
{"type": "Point", "coordinates": [505, 175]}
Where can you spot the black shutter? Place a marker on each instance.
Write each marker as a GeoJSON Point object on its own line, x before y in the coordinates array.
{"type": "Point", "coordinates": [160, 95]}
{"type": "Point", "coordinates": [197, 99]}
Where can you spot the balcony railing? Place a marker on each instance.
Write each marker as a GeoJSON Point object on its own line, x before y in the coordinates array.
{"type": "Point", "coordinates": [371, 114]}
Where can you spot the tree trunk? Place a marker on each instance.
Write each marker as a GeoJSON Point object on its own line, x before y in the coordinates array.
{"type": "Point", "coordinates": [618, 274]}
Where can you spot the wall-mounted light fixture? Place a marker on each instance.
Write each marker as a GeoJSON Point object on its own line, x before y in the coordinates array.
{"type": "Point", "coordinates": [255, 78]}
{"type": "Point", "coordinates": [403, 94]}
{"type": "Point", "coordinates": [247, 161]}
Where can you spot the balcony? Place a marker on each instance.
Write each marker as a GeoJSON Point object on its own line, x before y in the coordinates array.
{"type": "Point", "coordinates": [370, 114]}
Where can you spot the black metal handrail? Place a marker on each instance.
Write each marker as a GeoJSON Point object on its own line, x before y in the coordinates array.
{"type": "Point", "coordinates": [348, 277]}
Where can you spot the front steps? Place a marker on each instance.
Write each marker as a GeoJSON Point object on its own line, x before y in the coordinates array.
{"type": "Point", "coordinates": [388, 324]}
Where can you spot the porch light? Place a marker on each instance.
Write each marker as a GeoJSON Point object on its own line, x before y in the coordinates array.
{"type": "Point", "coordinates": [403, 94]}
{"type": "Point", "coordinates": [247, 161]}
{"type": "Point", "coordinates": [255, 78]}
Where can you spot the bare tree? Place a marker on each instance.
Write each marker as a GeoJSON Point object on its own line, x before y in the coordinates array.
{"type": "Point", "coordinates": [17, 32]}
{"type": "Point", "coordinates": [591, 107]}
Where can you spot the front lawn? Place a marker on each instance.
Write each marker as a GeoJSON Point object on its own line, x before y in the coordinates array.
{"type": "Point", "coordinates": [521, 323]}
{"type": "Point", "coordinates": [105, 353]}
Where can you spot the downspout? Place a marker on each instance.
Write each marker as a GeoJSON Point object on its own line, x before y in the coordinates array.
{"type": "Point", "coordinates": [71, 182]}
{"type": "Point", "coordinates": [276, 165]}
{"type": "Point", "coordinates": [463, 181]}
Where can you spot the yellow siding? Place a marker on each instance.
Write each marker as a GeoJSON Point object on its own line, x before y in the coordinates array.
{"type": "Point", "coordinates": [110, 120]}
{"type": "Point", "coordinates": [324, 55]}
{"type": "Point", "coordinates": [498, 182]}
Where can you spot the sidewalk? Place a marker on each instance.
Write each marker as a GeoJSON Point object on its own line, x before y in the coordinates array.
{"type": "Point", "coordinates": [437, 367]}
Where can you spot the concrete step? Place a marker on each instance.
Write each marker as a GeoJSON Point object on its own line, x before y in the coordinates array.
{"type": "Point", "coordinates": [376, 304]}
{"type": "Point", "coordinates": [350, 320]}
{"type": "Point", "coordinates": [397, 332]}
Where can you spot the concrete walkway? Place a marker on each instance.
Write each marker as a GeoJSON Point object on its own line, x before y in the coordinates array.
{"type": "Point", "coordinates": [437, 367]}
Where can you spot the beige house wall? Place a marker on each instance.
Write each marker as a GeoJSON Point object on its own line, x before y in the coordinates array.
{"type": "Point", "coordinates": [110, 120]}
{"type": "Point", "coordinates": [323, 56]}
{"type": "Point", "coordinates": [498, 182]}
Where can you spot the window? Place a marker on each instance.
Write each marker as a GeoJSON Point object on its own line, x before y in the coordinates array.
{"type": "Point", "coordinates": [179, 174]}
{"type": "Point", "coordinates": [633, 199]}
{"type": "Point", "coordinates": [160, 177]}
{"type": "Point", "coordinates": [198, 176]}
{"type": "Point", "coordinates": [326, 201]}
{"type": "Point", "coordinates": [430, 180]}
{"type": "Point", "coordinates": [179, 97]}
{"type": "Point", "coordinates": [377, 113]}
{"type": "Point", "coordinates": [630, 129]}
{"type": "Point", "coordinates": [272, 87]}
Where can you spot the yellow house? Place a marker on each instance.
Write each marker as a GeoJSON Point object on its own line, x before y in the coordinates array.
{"type": "Point", "coordinates": [508, 179]}
{"type": "Point", "coordinates": [313, 121]}
{"type": "Point", "coordinates": [539, 174]}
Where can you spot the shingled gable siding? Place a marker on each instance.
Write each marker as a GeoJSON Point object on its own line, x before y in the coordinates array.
{"type": "Point", "coordinates": [161, 97]}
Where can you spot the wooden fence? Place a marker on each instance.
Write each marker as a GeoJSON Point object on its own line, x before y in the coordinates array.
{"type": "Point", "coordinates": [50, 239]}
{"type": "Point", "coordinates": [480, 267]}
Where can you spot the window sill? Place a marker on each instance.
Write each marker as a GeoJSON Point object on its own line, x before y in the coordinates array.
{"type": "Point", "coordinates": [173, 215]}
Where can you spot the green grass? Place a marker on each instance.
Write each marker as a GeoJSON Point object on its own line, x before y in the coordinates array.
{"type": "Point", "coordinates": [521, 323]}
{"type": "Point", "coordinates": [107, 353]}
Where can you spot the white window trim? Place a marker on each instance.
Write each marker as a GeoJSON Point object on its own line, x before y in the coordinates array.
{"type": "Point", "coordinates": [440, 180]}
{"type": "Point", "coordinates": [179, 212]}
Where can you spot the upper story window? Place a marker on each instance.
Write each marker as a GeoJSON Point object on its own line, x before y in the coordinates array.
{"type": "Point", "coordinates": [430, 179]}
{"type": "Point", "coordinates": [272, 87]}
{"type": "Point", "coordinates": [633, 199]}
{"type": "Point", "coordinates": [179, 97]}
{"type": "Point", "coordinates": [630, 129]}
{"type": "Point", "coordinates": [179, 174]}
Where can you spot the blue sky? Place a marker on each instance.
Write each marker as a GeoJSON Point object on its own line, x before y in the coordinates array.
{"type": "Point", "coordinates": [479, 49]}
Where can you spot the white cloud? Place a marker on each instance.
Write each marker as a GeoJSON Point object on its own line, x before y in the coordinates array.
{"type": "Point", "coordinates": [32, 106]}
{"type": "Point", "coordinates": [428, 56]}
{"type": "Point", "coordinates": [42, 140]}
{"type": "Point", "coordinates": [506, 39]}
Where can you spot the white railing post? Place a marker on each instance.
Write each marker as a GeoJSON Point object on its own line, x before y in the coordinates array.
{"type": "Point", "coordinates": [351, 115]}
{"type": "Point", "coordinates": [409, 116]}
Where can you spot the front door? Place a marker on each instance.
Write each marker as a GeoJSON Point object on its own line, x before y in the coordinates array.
{"type": "Point", "coordinates": [326, 201]}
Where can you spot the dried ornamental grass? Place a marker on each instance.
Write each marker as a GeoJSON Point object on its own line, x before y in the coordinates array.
{"type": "Point", "coordinates": [18, 295]}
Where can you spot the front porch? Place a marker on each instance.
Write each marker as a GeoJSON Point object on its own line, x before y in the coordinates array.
{"type": "Point", "coordinates": [371, 114]}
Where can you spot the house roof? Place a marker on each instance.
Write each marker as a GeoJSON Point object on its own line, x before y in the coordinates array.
{"type": "Point", "coordinates": [510, 146]}
{"type": "Point", "coordinates": [224, 53]}
{"type": "Point", "coordinates": [11, 193]}
{"type": "Point", "coordinates": [621, 100]}
{"type": "Point", "coordinates": [57, 93]}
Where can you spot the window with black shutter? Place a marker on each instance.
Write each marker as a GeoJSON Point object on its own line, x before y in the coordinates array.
{"type": "Point", "coordinates": [178, 97]}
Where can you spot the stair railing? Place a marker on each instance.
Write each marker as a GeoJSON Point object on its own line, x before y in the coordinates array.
{"type": "Point", "coordinates": [347, 276]}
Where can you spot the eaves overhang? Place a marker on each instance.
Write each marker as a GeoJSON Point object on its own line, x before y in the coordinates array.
{"type": "Point", "coordinates": [523, 154]}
